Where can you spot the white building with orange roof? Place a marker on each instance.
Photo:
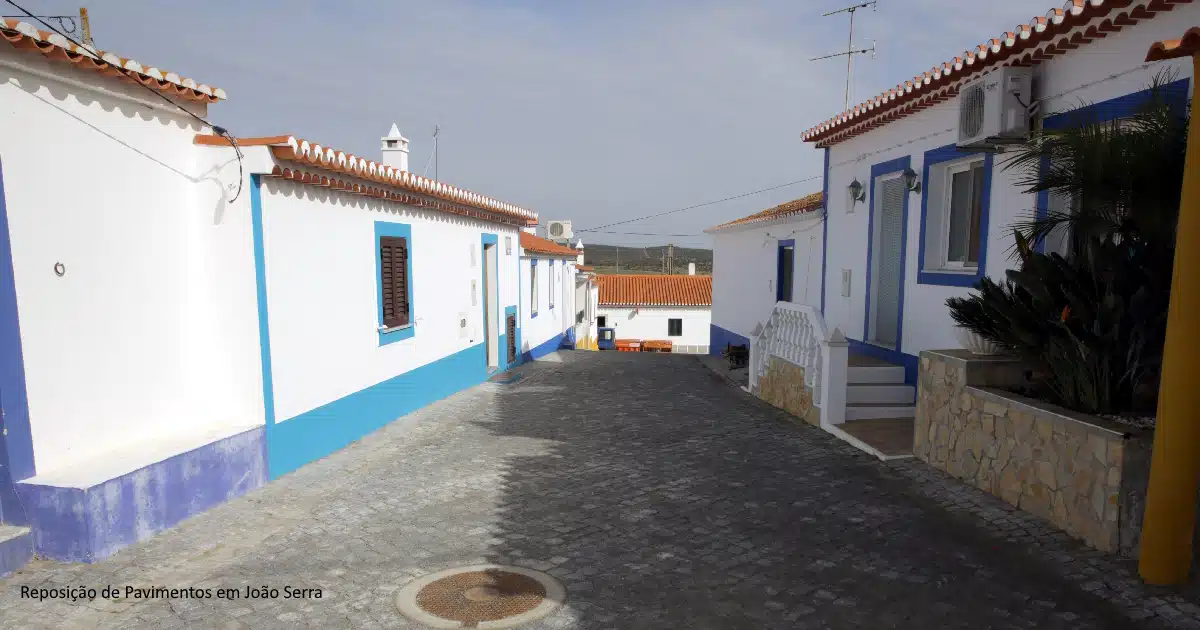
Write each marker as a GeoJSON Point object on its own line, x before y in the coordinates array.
{"type": "Point", "coordinates": [770, 256]}
{"type": "Point", "coordinates": [548, 312]}
{"type": "Point", "coordinates": [918, 207]}
{"type": "Point", "coordinates": [194, 315]}
{"type": "Point", "coordinates": [662, 308]}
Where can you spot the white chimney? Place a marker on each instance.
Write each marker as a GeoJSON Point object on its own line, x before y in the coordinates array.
{"type": "Point", "coordinates": [395, 149]}
{"type": "Point", "coordinates": [579, 246]}
{"type": "Point", "coordinates": [691, 269]}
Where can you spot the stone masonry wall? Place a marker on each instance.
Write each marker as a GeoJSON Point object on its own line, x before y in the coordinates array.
{"type": "Point", "coordinates": [783, 386]}
{"type": "Point", "coordinates": [1061, 466]}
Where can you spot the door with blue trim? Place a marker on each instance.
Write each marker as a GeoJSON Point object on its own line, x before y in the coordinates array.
{"type": "Point", "coordinates": [887, 247]}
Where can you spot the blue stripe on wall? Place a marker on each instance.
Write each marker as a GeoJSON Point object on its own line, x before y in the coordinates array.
{"type": "Point", "coordinates": [546, 347]}
{"type": "Point", "coordinates": [16, 440]}
{"type": "Point", "coordinates": [718, 338]}
{"type": "Point", "coordinates": [260, 281]}
{"type": "Point", "coordinates": [316, 433]}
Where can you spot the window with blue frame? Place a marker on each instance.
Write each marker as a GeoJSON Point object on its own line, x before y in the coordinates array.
{"type": "Point", "coordinates": [533, 288]}
{"type": "Point", "coordinates": [393, 275]}
{"type": "Point", "coordinates": [955, 202]}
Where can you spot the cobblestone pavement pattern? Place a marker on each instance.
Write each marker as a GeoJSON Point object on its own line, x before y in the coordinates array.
{"type": "Point", "coordinates": [659, 494]}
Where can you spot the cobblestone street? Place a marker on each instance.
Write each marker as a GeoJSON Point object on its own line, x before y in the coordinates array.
{"type": "Point", "coordinates": [658, 493]}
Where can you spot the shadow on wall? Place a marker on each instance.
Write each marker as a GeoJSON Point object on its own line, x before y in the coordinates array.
{"type": "Point", "coordinates": [664, 498]}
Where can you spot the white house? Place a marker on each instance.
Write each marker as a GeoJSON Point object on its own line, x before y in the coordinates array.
{"type": "Point", "coordinates": [657, 308]}
{"type": "Point", "coordinates": [548, 288]}
{"type": "Point", "coordinates": [186, 320]}
{"type": "Point", "coordinates": [913, 218]}
{"type": "Point", "coordinates": [768, 257]}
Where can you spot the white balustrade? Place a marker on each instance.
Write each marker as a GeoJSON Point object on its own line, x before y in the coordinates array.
{"type": "Point", "coordinates": [797, 333]}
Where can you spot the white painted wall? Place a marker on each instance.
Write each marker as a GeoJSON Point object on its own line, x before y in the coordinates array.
{"type": "Point", "coordinates": [150, 336]}
{"type": "Point", "coordinates": [536, 330]}
{"type": "Point", "coordinates": [745, 264]}
{"type": "Point", "coordinates": [323, 292]}
{"type": "Point", "coordinates": [650, 323]}
{"type": "Point", "coordinates": [927, 322]}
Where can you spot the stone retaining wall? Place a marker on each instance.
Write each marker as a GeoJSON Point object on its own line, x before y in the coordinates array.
{"type": "Point", "coordinates": [1083, 474]}
{"type": "Point", "coordinates": [784, 386]}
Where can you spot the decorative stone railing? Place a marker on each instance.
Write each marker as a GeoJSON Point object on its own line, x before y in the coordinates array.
{"type": "Point", "coordinates": [796, 333]}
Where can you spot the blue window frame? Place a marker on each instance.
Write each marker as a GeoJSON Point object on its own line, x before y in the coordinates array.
{"type": "Point", "coordinates": [878, 170]}
{"type": "Point", "coordinates": [1175, 94]}
{"type": "Point", "coordinates": [785, 270]}
{"type": "Point", "coordinates": [936, 198]}
{"type": "Point", "coordinates": [397, 333]}
{"type": "Point", "coordinates": [533, 289]}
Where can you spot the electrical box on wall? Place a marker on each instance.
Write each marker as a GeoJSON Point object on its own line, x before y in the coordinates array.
{"type": "Point", "coordinates": [507, 244]}
{"type": "Point", "coordinates": [472, 254]}
{"type": "Point", "coordinates": [845, 283]}
{"type": "Point", "coordinates": [462, 326]}
{"type": "Point", "coordinates": [474, 297]}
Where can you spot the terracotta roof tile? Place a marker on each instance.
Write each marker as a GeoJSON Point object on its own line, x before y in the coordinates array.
{"type": "Point", "coordinates": [323, 161]}
{"type": "Point", "coordinates": [651, 290]}
{"type": "Point", "coordinates": [537, 245]}
{"type": "Point", "coordinates": [1185, 46]}
{"type": "Point", "coordinates": [585, 268]}
{"type": "Point", "coordinates": [1059, 31]}
{"type": "Point", "coordinates": [806, 204]}
{"type": "Point", "coordinates": [24, 36]}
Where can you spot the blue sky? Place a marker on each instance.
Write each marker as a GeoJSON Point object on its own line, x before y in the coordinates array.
{"type": "Point", "coordinates": [595, 111]}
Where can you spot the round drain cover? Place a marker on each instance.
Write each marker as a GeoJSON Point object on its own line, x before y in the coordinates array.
{"type": "Point", "coordinates": [480, 596]}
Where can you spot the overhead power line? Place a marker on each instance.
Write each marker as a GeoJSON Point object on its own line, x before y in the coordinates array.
{"type": "Point", "coordinates": [701, 205]}
{"type": "Point", "coordinates": [217, 129]}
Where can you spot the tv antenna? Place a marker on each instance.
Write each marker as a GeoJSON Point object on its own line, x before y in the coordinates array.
{"type": "Point", "coordinates": [850, 50]}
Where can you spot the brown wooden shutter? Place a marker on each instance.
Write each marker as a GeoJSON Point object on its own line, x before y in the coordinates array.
{"type": "Point", "coordinates": [393, 258]}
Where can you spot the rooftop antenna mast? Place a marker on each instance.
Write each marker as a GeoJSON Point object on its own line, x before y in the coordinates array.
{"type": "Point", "coordinates": [850, 50]}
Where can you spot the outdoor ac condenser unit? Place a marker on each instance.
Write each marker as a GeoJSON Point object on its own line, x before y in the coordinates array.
{"type": "Point", "coordinates": [558, 230]}
{"type": "Point", "coordinates": [994, 108]}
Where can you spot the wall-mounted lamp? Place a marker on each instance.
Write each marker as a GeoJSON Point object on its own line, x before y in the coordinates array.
{"type": "Point", "coordinates": [856, 192]}
{"type": "Point", "coordinates": [912, 181]}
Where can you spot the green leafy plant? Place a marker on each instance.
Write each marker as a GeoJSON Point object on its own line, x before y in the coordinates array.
{"type": "Point", "coordinates": [1092, 322]}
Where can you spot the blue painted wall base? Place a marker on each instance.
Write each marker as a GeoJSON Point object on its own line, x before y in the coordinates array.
{"type": "Point", "coordinates": [718, 338]}
{"type": "Point", "coordinates": [546, 347]}
{"type": "Point", "coordinates": [333, 426]}
{"type": "Point", "coordinates": [15, 552]}
{"type": "Point", "coordinates": [90, 524]}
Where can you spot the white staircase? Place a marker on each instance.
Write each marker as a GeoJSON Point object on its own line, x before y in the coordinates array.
{"type": "Point", "coordinates": [860, 398]}
{"type": "Point", "coordinates": [877, 392]}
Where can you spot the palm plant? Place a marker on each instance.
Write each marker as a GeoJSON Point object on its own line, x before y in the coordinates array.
{"type": "Point", "coordinates": [1092, 322]}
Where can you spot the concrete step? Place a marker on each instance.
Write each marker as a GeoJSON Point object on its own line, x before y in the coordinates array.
{"type": "Point", "coordinates": [893, 374]}
{"type": "Point", "coordinates": [16, 548]}
{"type": "Point", "coordinates": [871, 411]}
{"type": "Point", "coordinates": [880, 393]}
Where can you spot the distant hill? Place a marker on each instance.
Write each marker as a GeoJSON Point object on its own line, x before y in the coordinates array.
{"type": "Point", "coordinates": [605, 259]}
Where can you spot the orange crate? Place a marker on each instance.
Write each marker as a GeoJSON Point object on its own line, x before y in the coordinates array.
{"type": "Point", "coordinates": [657, 346]}
{"type": "Point", "coordinates": [628, 345]}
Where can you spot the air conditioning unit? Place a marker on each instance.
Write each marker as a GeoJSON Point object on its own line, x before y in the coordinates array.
{"type": "Point", "coordinates": [994, 109]}
{"type": "Point", "coordinates": [558, 230]}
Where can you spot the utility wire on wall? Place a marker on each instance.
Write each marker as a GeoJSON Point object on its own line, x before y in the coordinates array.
{"type": "Point", "coordinates": [218, 130]}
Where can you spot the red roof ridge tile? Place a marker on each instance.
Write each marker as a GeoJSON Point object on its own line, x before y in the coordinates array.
{"type": "Point", "coordinates": [808, 203]}
{"type": "Point", "coordinates": [1028, 44]}
{"type": "Point", "coordinates": [654, 290]}
{"type": "Point", "coordinates": [538, 245]}
{"type": "Point", "coordinates": [24, 36]}
{"type": "Point", "coordinates": [298, 150]}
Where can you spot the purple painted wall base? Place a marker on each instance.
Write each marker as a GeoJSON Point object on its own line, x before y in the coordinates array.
{"type": "Point", "coordinates": [86, 525]}
{"type": "Point", "coordinates": [15, 553]}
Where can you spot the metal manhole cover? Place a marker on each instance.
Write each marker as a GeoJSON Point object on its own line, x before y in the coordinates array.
{"type": "Point", "coordinates": [480, 596]}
